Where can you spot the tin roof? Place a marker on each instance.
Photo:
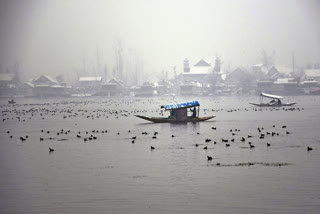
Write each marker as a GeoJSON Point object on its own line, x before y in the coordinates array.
{"type": "Point", "coordinates": [202, 62]}
{"type": "Point", "coordinates": [6, 76]}
{"type": "Point", "coordinates": [312, 72]}
{"type": "Point", "coordinates": [90, 79]}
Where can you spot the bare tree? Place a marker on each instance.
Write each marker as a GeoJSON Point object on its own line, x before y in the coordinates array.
{"type": "Point", "coordinates": [118, 70]}
{"type": "Point", "coordinates": [60, 78]}
{"type": "Point", "coordinates": [105, 71]}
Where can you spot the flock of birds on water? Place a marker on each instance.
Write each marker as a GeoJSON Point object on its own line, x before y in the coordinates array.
{"type": "Point", "coordinates": [114, 109]}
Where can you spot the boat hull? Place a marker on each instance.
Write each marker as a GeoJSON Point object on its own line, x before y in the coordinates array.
{"type": "Point", "coordinates": [269, 105]}
{"type": "Point", "coordinates": [167, 120]}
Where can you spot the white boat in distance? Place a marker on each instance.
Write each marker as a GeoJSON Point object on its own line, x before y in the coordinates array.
{"type": "Point", "coordinates": [275, 102]}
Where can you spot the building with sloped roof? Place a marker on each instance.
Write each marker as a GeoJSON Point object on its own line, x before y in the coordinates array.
{"type": "Point", "coordinates": [273, 73]}
{"type": "Point", "coordinates": [276, 72]}
{"type": "Point", "coordinates": [112, 88]}
{"type": "Point", "coordinates": [44, 80]}
{"type": "Point", "coordinates": [46, 86]}
{"type": "Point", "coordinates": [89, 85]}
{"type": "Point", "coordinates": [8, 84]}
{"type": "Point", "coordinates": [312, 74]}
{"type": "Point", "coordinates": [199, 72]}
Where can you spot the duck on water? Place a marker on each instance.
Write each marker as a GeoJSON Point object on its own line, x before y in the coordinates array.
{"type": "Point", "coordinates": [179, 113]}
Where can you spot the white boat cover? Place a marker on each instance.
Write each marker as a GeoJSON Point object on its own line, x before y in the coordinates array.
{"type": "Point", "coordinates": [270, 96]}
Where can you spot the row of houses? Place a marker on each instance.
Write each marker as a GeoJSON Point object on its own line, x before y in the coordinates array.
{"type": "Point", "coordinates": [202, 78]}
{"type": "Point", "coordinates": [285, 81]}
{"type": "Point", "coordinates": [46, 86]}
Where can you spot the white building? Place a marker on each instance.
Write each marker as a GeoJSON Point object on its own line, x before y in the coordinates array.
{"type": "Point", "coordinates": [198, 73]}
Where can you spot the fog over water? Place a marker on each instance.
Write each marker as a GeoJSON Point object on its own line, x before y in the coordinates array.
{"type": "Point", "coordinates": [77, 137]}
{"type": "Point", "coordinates": [59, 37]}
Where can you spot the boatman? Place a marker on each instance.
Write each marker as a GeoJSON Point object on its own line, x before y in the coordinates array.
{"type": "Point", "coordinates": [279, 102]}
{"type": "Point", "coordinates": [194, 112]}
{"type": "Point", "coordinates": [172, 114]}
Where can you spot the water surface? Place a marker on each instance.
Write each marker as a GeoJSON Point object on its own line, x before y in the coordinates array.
{"type": "Point", "coordinates": [113, 175]}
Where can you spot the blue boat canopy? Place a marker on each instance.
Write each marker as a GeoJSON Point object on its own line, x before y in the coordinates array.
{"type": "Point", "coordinates": [181, 105]}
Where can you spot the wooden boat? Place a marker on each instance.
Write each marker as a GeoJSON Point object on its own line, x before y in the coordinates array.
{"type": "Point", "coordinates": [275, 102]}
{"type": "Point", "coordinates": [179, 113]}
{"type": "Point", "coordinates": [168, 120]}
{"type": "Point", "coordinates": [11, 101]}
{"type": "Point", "coordinates": [270, 105]}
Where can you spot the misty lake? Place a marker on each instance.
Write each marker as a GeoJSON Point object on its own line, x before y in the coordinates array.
{"type": "Point", "coordinates": [113, 173]}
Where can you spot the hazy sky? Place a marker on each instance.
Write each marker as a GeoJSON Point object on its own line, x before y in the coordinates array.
{"type": "Point", "coordinates": [55, 37]}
